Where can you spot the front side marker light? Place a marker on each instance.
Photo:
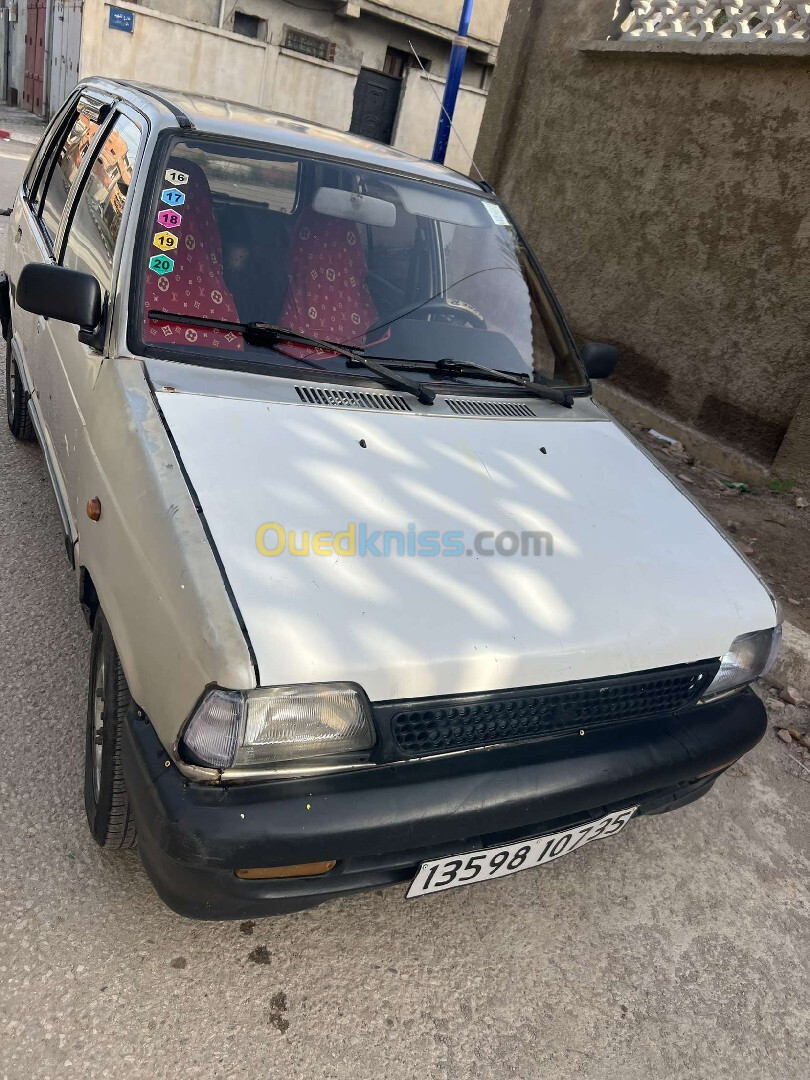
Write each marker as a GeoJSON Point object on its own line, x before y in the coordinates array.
{"type": "Point", "coordinates": [750, 657]}
{"type": "Point", "coordinates": [212, 735]}
{"type": "Point", "coordinates": [278, 724]}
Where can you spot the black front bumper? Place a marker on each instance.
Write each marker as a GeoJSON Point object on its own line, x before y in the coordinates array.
{"type": "Point", "coordinates": [380, 824]}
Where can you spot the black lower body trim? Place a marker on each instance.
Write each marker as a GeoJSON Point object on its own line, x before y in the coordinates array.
{"type": "Point", "coordinates": [382, 823]}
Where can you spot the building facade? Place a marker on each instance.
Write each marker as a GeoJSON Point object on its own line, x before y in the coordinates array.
{"type": "Point", "coordinates": [376, 67]}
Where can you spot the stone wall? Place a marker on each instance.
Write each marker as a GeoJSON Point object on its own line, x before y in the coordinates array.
{"type": "Point", "coordinates": [665, 192]}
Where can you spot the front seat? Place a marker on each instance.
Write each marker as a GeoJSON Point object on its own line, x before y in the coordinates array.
{"type": "Point", "coordinates": [197, 285]}
{"type": "Point", "coordinates": [327, 296]}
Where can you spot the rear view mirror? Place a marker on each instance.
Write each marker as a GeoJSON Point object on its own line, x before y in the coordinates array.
{"type": "Point", "coordinates": [58, 293]}
{"type": "Point", "coordinates": [600, 360]}
{"type": "Point", "coordinates": [365, 210]}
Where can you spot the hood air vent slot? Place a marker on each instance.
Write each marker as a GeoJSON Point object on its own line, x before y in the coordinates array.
{"type": "Point", "coordinates": [477, 407]}
{"type": "Point", "coordinates": [352, 399]}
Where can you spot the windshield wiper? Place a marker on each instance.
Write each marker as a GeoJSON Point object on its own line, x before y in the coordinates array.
{"type": "Point", "coordinates": [268, 336]}
{"type": "Point", "coordinates": [467, 367]}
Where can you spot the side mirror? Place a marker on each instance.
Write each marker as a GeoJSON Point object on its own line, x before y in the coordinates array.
{"type": "Point", "coordinates": [58, 293]}
{"type": "Point", "coordinates": [600, 360]}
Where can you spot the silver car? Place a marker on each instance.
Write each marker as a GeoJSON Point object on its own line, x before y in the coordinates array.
{"type": "Point", "coordinates": [377, 592]}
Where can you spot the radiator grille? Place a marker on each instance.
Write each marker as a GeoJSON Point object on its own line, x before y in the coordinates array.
{"type": "Point", "coordinates": [352, 399]}
{"type": "Point", "coordinates": [541, 712]}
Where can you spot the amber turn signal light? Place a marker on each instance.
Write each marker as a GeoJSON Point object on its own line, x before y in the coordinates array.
{"type": "Point", "coordinates": [263, 873]}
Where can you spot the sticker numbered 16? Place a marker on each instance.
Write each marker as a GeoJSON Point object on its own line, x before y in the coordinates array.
{"type": "Point", "coordinates": [173, 197]}
{"type": "Point", "coordinates": [179, 179]}
{"type": "Point", "coordinates": [161, 264]}
{"type": "Point", "coordinates": [170, 219]}
{"type": "Point", "coordinates": [166, 241]}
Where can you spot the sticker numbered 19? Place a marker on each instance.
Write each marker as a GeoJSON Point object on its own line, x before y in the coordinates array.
{"type": "Point", "coordinates": [161, 264]}
{"type": "Point", "coordinates": [166, 241]}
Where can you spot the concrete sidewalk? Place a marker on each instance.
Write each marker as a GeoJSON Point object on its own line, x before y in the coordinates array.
{"type": "Point", "coordinates": [20, 125]}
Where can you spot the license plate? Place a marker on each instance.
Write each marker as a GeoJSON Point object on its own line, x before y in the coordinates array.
{"type": "Point", "coordinates": [475, 866]}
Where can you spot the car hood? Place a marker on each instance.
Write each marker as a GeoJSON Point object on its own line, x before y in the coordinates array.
{"type": "Point", "coordinates": [637, 578]}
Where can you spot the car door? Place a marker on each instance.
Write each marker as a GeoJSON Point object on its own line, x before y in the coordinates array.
{"type": "Point", "coordinates": [89, 242]}
{"type": "Point", "coordinates": [37, 222]}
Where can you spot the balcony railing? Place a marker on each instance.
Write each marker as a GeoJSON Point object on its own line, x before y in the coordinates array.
{"type": "Point", "coordinates": [707, 20]}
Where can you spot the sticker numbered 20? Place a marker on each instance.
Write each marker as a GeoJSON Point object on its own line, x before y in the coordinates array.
{"type": "Point", "coordinates": [161, 264]}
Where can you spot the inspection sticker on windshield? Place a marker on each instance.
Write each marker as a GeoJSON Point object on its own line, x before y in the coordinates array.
{"type": "Point", "coordinates": [498, 862]}
{"type": "Point", "coordinates": [497, 215]}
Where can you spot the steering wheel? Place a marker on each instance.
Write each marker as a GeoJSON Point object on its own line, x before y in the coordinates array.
{"type": "Point", "coordinates": [441, 309]}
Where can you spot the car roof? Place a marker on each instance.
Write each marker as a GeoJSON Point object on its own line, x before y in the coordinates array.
{"type": "Point", "coordinates": [235, 119]}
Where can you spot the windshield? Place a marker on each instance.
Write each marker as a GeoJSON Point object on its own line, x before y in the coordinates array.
{"type": "Point", "coordinates": [407, 270]}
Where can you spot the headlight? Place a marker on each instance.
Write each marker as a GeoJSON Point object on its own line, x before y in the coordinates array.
{"type": "Point", "coordinates": [277, 724]}
{"type": "Point", "coordinates": [750, 657]}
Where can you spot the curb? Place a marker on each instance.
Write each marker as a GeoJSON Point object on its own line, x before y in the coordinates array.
{"type": "Point", "coordinates": [21, 137]}
{"type": "Point", "coordinates": [792, 667]}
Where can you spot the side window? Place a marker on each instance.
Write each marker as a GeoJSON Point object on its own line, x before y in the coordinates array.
{"type": "Point", "coordinates": [35, 174]}
{"type": "Point", "coordinates": [96, 222]}
{"type": "Point", "coordinates": [64, 171]}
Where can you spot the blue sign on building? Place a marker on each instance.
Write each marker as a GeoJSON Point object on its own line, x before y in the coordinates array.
{"type": "Point", "coordinates": [122, 20]}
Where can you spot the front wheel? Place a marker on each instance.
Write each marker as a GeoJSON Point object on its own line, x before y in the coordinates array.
{"type": "Point", "coordinates": [109, 814]}
{"type": "Point", "coordinates": [19, 417]}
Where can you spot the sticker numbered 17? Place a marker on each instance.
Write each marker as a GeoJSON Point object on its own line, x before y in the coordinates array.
{"type": "Point", "coordinates": [173, 197]}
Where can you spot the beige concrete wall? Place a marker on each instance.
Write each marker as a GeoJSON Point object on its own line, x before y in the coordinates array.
{"type": "Point", "coordinates": [487, 21]}
{"type": "Point", "coordinates": [313, 89]}
{"type": "Point", "coordinates": [171, 52]}
{"type": "Point", "coordinates": [419, 116]}
{"type": "Point", "coordinates": [667, 198]}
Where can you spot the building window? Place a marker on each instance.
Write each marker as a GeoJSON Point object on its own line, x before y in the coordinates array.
{"type": "Point", "coordinates": [248, 25]}
{"type": "Point", "coordinates": [397, 62]}
{"type": "Point", "coordinates": [309, 45]}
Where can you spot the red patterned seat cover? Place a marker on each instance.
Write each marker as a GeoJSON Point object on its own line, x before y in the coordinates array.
{"type": "Point", "coordinates": [197, 284]}
{"type": "Point", "coordinates": [327, 295]}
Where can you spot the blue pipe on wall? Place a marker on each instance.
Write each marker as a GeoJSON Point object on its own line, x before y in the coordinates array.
{"type": "Point", "coordinates": [457, 58]}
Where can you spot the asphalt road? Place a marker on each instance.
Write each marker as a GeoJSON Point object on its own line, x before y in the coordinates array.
{"type": "Point", "coordinates": [679, 949]}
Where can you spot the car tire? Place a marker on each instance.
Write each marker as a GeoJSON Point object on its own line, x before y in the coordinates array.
{"type": "Point", "coordinates": [109, 813]}
{"type": "Point", "coordinates": [19, 417]}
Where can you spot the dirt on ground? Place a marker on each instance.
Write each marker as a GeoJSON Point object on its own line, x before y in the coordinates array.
{"type": "Point", "coordinates": [770, 525]}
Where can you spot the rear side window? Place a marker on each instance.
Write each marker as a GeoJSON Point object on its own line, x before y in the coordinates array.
{"type": "Point", "coordinates": [96, 223]}
{"type": "Point", "coordinates": [63, 174]}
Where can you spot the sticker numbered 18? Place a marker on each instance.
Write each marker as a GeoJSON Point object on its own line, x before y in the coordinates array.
{"type": "Point", "coordinates": [170, 219]}
{"type": "Point", "coordinates": [173, 197]}
{"type": "Point", "coordinates": [166, 241]}
{"type": "Point", "coordinates": [161, 264]}
{"type": "Point", "coordinates": [179, 179]}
